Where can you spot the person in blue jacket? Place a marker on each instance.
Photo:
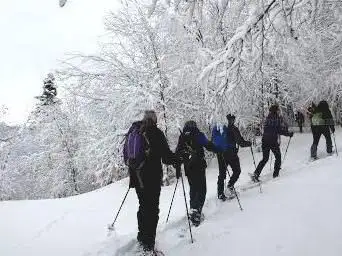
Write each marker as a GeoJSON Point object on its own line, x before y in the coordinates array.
{"type": "Point", "coordinates": [225, 139]}
{"type": "Point", "coordinates": [190, 150]}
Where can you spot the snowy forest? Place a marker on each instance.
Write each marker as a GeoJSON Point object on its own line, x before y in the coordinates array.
{"type": "Point", "coordinates": [186, 59]}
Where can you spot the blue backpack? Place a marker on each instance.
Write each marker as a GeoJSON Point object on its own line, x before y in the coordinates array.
{"type": "Point", "coordinates": [220, 138]}
{"type": "Point", "coordinates": [136, 147]}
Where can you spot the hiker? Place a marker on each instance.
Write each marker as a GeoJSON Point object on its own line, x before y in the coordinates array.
{"type": "Point", "coordinates": [190, 150]}
{"type": "Point", "coordinates": [322, 123]}
{"type": "Point", "coordinates": [274, 126]}
{"type": "Point", "coordinates": [300, 120]}
{"type": "Point", "coordinates": [146, 172]}
{"type": "Point", "coordinates": [225, 139]}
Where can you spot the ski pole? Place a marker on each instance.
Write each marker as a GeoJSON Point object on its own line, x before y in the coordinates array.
{"type": "Point", "coordinates": [253, 157]}
{"type": "Point", "coordinates": [335, 144]}
{"type": "Point", "coordinates": [236, 195]}
{"type": "Point", "coordinates": [111, 227]}
{"type": "Point", "coordinates": [174, 192]}
{"type": "Point", "coordinates": [260, 188]}
{"type": "Point", "coordinates": [288, 144]}
{"type": "Point", "coordinates": [187, 211]}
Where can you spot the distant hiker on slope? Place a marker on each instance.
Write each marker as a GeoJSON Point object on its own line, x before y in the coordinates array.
{"type": "Point", "coordinates": [145, 147]}
{"type": "Point", "coordinates": [225, 139]}
{"type": "Point", "coordinates": [300, 120]}
{"type": "Point", "coordinates": [274, 126]}
{"type": "Point", "coordinates": [190, 149]}
{"type": "Point", "coordinates": [322, 123]}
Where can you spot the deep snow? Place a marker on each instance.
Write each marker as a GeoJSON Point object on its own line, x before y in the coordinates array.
{"type": "Point", "coordinates": [297, 214]}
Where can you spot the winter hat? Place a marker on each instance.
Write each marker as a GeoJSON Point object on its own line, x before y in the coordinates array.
{"type": "Point", "coordinates": [190, 125]}
{"type": "Point", "coordinates": [150, 116]}
{"type": "Point", "coordinates": [274, 109]}
{"type": "Point", "coordinates": [230, 117]}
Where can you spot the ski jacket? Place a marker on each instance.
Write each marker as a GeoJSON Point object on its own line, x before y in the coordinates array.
{"type": "Point", "coordinates": [159, 152]}
{"type": "Point", "coordinates": [190, 148]}
{"type": "Point", "coordinates": [274, 126]}
{"type": "Point", "coordinates": [234, 137]}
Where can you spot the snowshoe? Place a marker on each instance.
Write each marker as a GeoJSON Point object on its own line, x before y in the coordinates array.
{"type": "Point", "coordinates": [254, 178]}
{"type": "Point", "coordinates": [195, 217]}
{"type": "Point", "coordinates": [154, 252]}
{"type": "Point", "coordinates": [231, 193]}
{"type": "Point", "coordinates": [222, 197]}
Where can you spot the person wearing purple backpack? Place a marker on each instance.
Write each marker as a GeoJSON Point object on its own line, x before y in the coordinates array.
{"type": "Point", "coordinates": [144, 150]}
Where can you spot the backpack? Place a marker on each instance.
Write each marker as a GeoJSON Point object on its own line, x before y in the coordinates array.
{"type": "Point", "coordinates": [317, 119]}
{"type": "Point", "coordinates": [136, 147]}
{"type": "Point", "coordinates": [220, 138]}
{"type": "Point", "coordinates": [194, 156]}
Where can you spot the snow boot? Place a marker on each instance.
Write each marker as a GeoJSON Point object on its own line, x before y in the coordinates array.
{"type": "Point", "coordinates": [254, 177]}
{"type": "Point", "coordinates": [222, 197]}
{"type": "Point", "coordinates": [195, 217]}
{"type": "Point", "coordinates": [231, 192]}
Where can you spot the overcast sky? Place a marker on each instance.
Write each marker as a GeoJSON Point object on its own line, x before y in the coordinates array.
{"type": "Point", "coordinates": [35, 35]}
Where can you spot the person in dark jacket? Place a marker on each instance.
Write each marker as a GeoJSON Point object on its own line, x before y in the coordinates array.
{"type": "Point", "coordinates": [274, 126]}
{"type": "Point", "coordinates": [300, 120]}
{"type": "Point", "coordinates": [322, 123]}
{"type": "Point", "coordinates": [190, 149]}
{"type": "Point", "coordinates": [229, 156]}
{"type": "Point", "coordinates": [151, 178]}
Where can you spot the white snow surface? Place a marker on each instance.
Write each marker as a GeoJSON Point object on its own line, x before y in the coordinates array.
{"type": "Point", "coordinates": [299, 213]}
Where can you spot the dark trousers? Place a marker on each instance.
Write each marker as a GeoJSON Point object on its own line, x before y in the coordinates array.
{"type": "Point", "coordinates": [148, 213]}
{"type": "Point", "coordinates": [226, 158]}
{"type": "Point", "coordinates": [317, 132]}
{"type": "Point", "coordinates": [266, 148]}
{"type": "Point", "coordinates": [300, 125]}
{"type": "Point", "coordinates": [198, 188]}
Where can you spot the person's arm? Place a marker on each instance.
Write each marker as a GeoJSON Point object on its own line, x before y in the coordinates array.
{"type": "Point", "coordinates": [330, 122]}
{"type": "Point", "coordinates": [168, 157]}
{"type": "Point", "coordinates": [204, 142]}
{"type": "Point", "coordinates": [283, 128]}
{"type": "Point", "coordinates": [239, 139]}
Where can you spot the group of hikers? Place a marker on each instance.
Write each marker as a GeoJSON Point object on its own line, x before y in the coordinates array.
{"type": "Point", "coordinates": [146, 148]}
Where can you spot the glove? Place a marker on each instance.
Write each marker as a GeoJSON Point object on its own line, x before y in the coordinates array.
{"type": "Point", "coordinates": [290, 134]}
{"type": "Point", "coordinates": [178, 171]}
{"type": "Point", "coordinates": [177, 166]}
{"type": "Point", "coordinates": [248, 144]}
{"type": "Point", "coordinates": [131, 183]}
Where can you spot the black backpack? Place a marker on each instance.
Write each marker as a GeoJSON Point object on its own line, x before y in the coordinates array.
{"type": "Point", "coordinates": [193, 152]}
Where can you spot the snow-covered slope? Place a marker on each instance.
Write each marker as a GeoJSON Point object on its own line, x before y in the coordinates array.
{"type": "Point", "coordinates": [297, 214]}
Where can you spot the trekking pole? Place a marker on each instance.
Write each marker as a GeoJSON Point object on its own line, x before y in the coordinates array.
{"type": "Point", "coordinates": [174, 192]}
{"type": "Point", "coordinates": [111, 227]}
{"type": "Point", "coordinates": [288, 144]}
{"type": "Point", "coordinates": [186, 207]}
{"type": "Point", "coordinates": [260, 188]}
{"type": "Point", "coordinates": [335, 144]}
{"type": "Point", "coordinates": [253, 158]}
{"type": "Point", "coordinates": [237, 197]}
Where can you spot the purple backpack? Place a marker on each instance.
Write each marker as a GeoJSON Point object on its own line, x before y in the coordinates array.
{"type": "Point", "coordinates": [136, 147]}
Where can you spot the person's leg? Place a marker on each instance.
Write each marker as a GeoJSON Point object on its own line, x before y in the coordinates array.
{"type": "Point", "coordinates": [328, 140]}
{"type": "Point", "coordinates": [140, 215]}
{"type": "Point", "coordinates": [192, 189]}
{"type": "Point", "coordinates": [222, 174]}
{"type": "Point", "coordinates": [316, 133]}
{"type": "Point", "coordinates": [277, 164]}
{"type": "Point", "coordinates": [265, 157]}
{"type": "Point", "coordinates": [234, 163]}
{"type": "Point", "coordinates": [151, 215]}
{"type": "Point", "coordinates": [202, 190]}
